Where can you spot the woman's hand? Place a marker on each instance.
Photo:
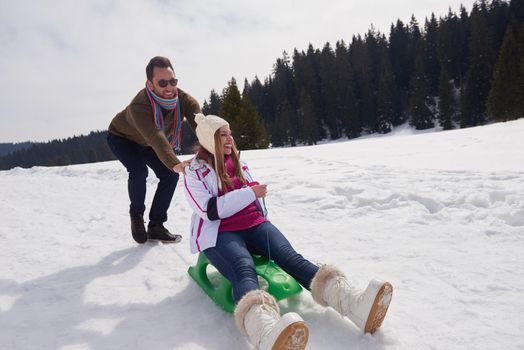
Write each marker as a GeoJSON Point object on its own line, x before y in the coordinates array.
{"type": "Point", "coordinates": [260, 190]}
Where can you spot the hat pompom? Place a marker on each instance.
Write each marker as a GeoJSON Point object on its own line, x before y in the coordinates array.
{"type": "Point", "coordinates": [199, 117]}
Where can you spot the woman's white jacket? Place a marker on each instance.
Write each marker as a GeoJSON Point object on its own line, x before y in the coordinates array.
{"type": "Point", "coordinates": [200, 185]}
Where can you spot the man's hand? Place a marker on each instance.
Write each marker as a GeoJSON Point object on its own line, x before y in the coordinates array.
{"type": "Point", "coordinates": [180, 167]}
{"type": "Point", "coordinates": [260, 190]}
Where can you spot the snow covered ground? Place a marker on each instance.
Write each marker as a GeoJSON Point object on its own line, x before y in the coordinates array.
{"type": "Point", "coordinates": [440, 215]}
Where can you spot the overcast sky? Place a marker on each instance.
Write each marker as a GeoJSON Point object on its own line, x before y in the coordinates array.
{"type": "Point", "coordinates": [67, 67]}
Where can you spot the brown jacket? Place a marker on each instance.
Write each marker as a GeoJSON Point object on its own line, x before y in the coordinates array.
{"type": "Point", "coordinates": [136, 123]}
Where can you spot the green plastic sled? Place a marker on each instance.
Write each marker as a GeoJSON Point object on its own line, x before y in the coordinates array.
{"type": "Point", "coordinates": [280, 284]}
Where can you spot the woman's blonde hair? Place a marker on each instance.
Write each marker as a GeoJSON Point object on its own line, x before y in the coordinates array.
{"type": "Point", "coordinates": [217, 162]}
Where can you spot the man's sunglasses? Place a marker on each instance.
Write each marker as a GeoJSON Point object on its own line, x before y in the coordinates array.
{"type": "Point", "coordinates": [163, 83]}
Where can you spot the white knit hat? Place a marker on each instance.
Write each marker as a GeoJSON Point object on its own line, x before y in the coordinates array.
{"type": "Point", "coordinates": [206, 128]}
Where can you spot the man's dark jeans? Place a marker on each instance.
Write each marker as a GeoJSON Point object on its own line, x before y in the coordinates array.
{"type": "Point", "coordinates": [232, 257]}
{"type": "Point", "coordinates": [136, 158]}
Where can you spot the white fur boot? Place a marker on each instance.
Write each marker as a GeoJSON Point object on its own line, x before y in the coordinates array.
{"type": "Point", "coordinates": [257, 315]}
{"type": "Point", "coordinates": [366, 308]}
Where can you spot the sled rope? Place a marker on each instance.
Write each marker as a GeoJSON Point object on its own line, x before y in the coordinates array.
{"type": "Point", "coordinates": [270, 261]}
{"type": "Point", "coordinates": [265, 211]}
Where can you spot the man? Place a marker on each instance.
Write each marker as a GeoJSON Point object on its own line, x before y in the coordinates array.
{"type": "Point", "coordinates": [144, 135]}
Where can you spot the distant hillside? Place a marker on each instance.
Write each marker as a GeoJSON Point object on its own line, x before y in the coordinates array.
{"type": "Point", "coordinates": [81, 149]}
{"type": "Point", "coordinates": [73, 150]}
{"type": "Point", "coordinates": [6, 148]}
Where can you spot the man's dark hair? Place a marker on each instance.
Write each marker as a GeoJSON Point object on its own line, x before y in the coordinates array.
{"type": "Point", "coordinates": [158, 61]}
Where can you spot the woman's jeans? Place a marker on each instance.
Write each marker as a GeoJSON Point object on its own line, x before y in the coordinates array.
{"type": "Point", "coordinates": [136, 158]}
{"type": "Point", "coordinates": [232, 257]}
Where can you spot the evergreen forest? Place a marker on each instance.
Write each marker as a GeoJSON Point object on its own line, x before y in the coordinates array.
{"type": "Point", "coordinates": [460, 70]}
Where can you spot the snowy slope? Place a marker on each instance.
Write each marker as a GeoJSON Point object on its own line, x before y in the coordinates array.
{"type": "Point", "coordinates": [440, 215]}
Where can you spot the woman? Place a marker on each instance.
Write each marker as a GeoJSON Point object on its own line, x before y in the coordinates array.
{"type": "Point", "coordinates": [228, 225]}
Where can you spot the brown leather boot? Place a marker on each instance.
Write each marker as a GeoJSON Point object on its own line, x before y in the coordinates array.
{"type": "Point", "coordinates": [157, 232]}
{"type": "Point", "coordinates": [138, 229]}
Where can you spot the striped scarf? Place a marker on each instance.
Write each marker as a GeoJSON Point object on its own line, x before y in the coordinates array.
{"type": "Point", "coordinates": [157, 103]}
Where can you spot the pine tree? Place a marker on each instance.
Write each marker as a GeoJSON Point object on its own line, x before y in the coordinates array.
{"type": "Point", "coordinates": [347, 110]}
{"type": "Point", "coordinates": [286, 132]}
{"type": "Point", "coordinates": [516, 8]}
{"type": "Point", "coordinates": [306, 81]}
{"type": "Point", "coordinates": [250, 132]}
{"type": "Point", "coordinates": [505, 100]}
{"type": "Point", "coordinates": [448, 46]}
{"type": "Point", "coordinates": [375, 44]}
{"type": "Point", "coordinates": [398, 54]}
{"type": "Point", "coordinates": [261, 96]}
{"type": "Point", "coordinates": [478, 78]}
{"type": "Point", "coordinates": [360, 61]}
{"type": "Point", "coordinates": [313, 57]}
{"type": "Point", "coordinates": [254, 92]}
{"type": "Point", "coordinates": [446, 102]}
{"type": "Point", "coordinates": [421, 115]}
{"type": "Point", "coordinates": [303, 72]}
{"type": "Point", "coordinates": [464, 34]}
{"type": "Point", "coordinates": [401, 58]}
{"type": "Point", "coordinates": [328, 92]}
{"type": "Point", "coordinates": [213, 107]}
{"type": "Point", "coordinates": [283, 81]}
{"type": "Point", "coordinates": [283, 91]}
{"type": "Point", "coordinates": [386, 99]}
{"type": "Point", "coordinates": [431, 60]}
{"type": "Point", "coordinates": [498, 19]}
{"type": "Point", "coordinates": [231, 102]}
{"type": "Point", "coordinates": [308, 131]}
{"type": "Point", "coordinates": [245, 122]}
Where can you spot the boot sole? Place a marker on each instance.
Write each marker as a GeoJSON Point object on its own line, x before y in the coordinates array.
{"type": "Point", "coordinates": [175, 238]}
{"type": "Point", "coordinates": [293, 337]}
{"type": "Point", "coordinates": [379, 308]}
{"type": "Point", "coordinates": [165, 241]}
